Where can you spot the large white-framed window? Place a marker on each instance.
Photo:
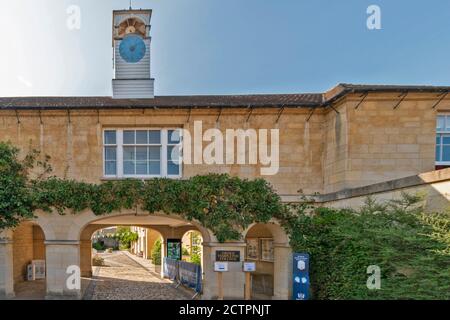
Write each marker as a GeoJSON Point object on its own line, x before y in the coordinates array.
{"type": "Point", "coordinates": [443, 140]}
{"type": "Point", "coordinates": [142, 153]}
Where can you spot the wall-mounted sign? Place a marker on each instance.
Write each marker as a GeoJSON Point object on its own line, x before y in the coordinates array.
{"type": "Point", "coordinates": [301, 276]}
{"type": "Point", "coordinates": [221, 266]}
{"type": "Point", "coordinates": [253, 248]}
{"type": "Point", "coordinates": [228, 256]}
{"type": "Point", "coordinates": [174, 249]}
{"type": "Point", "coordinates": [249, 267]}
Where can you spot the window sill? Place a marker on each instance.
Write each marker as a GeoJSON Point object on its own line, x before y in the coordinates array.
{"type": "Point", "coordinates": [137, 178]}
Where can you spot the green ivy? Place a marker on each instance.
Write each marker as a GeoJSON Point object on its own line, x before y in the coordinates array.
{"type": "Point", "coordinates": [225, 205]}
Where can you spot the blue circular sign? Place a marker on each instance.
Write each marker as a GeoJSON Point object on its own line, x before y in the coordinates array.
{"type": "Point", "coordinates": [132, 49]}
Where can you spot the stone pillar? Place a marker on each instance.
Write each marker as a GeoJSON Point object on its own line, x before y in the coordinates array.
{"type": "Point", "coordinates": [86, 258]}
{"type": "Point", "coordinates": [233, 280]}
{"type": "Point", "coordinates": [62, 254]}
{"type": "Point", "coordinates": [282, 286]}
{"type": "Point", "coordinates": [163, 254]}
{"type": "Point", "coordinates": [6, 269]}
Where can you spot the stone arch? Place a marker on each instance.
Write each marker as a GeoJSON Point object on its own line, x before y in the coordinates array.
{"type": "Point", "coordinates": [279, 234]}
{"type": "Point", "coordinates": [18, 248]}
{"type": "Point", "coordinates": [87, 223]}
{"type": "Point", "coordinates": [58, 227]}
{"type": "Point", "coordinates": [276, 271]}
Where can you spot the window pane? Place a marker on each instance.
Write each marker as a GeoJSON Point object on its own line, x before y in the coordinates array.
{"type": "Point", "coordinates": [141, 153]}
{"type": "Point", "coordinates": [446, 153]}
{"type": "Point", "coordinates": [110, 137]}
{"type": "Point", "coordinates": [128, 137]}
{"type": "Point", "coordinates": [173, 168]}
{"type": "Point", "coordinates": [128, 167]}
{"type": "Point", "coordinates": [438, 153]}
{"type": "Point", "coordinates": [155, 153]}
{"type": "Point", "coordinates": [110, 153]}
{"type": "Point", "coordinates": [154, 137]}
{"type": "Point", "coordinates": [141, 137]}
{"type": "Point", "coordinates": [447, 123]}
{"type": "Point", "coordinates": [174, 136]}
{"type": "Point", "coordinates": [446, 139]}
{"type": "Point", "coordinates": [141, 167]}
{"type": "Point", "coordinates": [173, 153]}
{"type": "Point", "coordinates": [129, 153]}
{"type": "Point", "coordinates": [155, 168]}
{"type": "Point", "coordinates": [440, 123]}
{"type": "Point", "coordinates": [110, 168]}
{"type": "Point", "coordinates": [438, 139]}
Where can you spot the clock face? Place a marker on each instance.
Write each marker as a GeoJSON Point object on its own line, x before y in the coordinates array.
{"type": "Point", "coordinates": [132, 49]}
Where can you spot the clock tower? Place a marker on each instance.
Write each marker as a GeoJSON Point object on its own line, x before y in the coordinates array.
{"type": "Point", "coordinates": [131, 47]}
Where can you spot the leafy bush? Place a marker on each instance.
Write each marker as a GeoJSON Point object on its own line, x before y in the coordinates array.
{"type": "Point", "coordinates": [196, 258]}
{"type": "Point", "coordinates": [185, 251]}
{"type": "Point", "coordinates": [98, 246]}
{"type": "Point", "coordinates": [156, 253]}
{"type": "Point", "coordinates": [125, 237]}
{"type": "Point", "coordinates": [16, 199]}
{"type": "Point", "coordinates": [410, 247]}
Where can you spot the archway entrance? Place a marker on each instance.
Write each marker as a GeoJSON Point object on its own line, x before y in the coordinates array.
{"type": "Point", "coordinates": [268, 246]}
{"type": "Point", "coordinates": [29, 261]}
{"type": "Point", "coordinates": [133, 270]}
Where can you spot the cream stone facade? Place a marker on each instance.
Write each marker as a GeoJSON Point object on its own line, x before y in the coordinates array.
{"type": "Point", "coordinates": [337, 147]}
{"type": "Point", "coordinates": [323, 150]}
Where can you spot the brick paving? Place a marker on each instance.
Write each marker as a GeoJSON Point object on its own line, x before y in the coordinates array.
{"type": "Point", "coordinates": [123, 278]}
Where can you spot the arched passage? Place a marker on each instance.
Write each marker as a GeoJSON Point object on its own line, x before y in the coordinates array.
{"type": "Point", "coordinates": [19, 248]}
{"type": "Point", "coordinates": [65, 234]}
{"type": "Point", "coordinates": [150, 228]}
{"type": "Point", "coordinates": [192, 246]}
{"type": "Point", "coordinates": [268, 246]}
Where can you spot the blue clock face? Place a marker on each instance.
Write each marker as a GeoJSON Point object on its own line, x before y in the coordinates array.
{"type": "Point", "coordinates": [132, 49]}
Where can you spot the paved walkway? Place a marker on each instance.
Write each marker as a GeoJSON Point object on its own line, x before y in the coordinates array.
{"type": "Point", "coordinates": [123, 278]}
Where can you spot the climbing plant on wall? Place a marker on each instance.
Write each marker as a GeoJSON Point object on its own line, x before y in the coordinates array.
{"type": "Point", "coordinates": [223, 204]}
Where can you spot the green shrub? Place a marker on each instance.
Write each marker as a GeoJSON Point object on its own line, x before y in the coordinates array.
{"type": "Point", "coordinates": [156, 253]}
{"type": "Point", "coordinates": [405, 243]}
{"type": "Point", "coordinates": [185, 251]}
{"type": "Point", "coordinates": [98, 246]}
{"type": "Point", "coordinates": [196, 258]}
{"type": "Point", "coordinates": [125, 237]}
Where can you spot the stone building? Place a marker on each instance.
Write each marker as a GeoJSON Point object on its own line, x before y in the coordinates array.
{"type": "Point", "coordinates": [338, 146]}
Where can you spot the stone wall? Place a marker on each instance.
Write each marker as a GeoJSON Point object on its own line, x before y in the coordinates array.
{"type": "Point", "coordinates": [76, 152]}
{"type": "Point", "coordinates": [330, 152]}
{"type": "Point", "coordinates": [379, 140]}
{"type": "Point", "coordinates": [22, 250]}
{"type": "Point", "coordinates": [433, 186]}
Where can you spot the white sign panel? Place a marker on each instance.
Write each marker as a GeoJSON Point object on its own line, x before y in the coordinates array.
{"type": "Point", "coordinates": [221, 266]}
{"type": "Point", "coordinates": [249, 266]}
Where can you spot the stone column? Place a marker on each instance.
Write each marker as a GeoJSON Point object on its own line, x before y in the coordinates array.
{"type": "Point", "coordinates": [62, 256]}
{"type": "Point", "coordinates": [233, 280]}
{"type": "Point", "coordinates": [86, 258]}
{"type": "Point", "coordinates": [163, 254]}
{"type": "Point", "coordinates": [282, 286]}
{"type": "Point", "coordinates": [6, 269]}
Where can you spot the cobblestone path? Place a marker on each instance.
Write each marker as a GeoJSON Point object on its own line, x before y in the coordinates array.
{"type": "Point", "coordinates": [124, 279]}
